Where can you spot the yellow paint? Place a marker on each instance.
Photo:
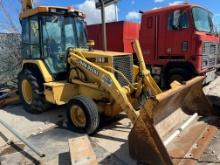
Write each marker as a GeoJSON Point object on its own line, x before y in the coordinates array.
{"type": "Point", "coordinates": [34, 11]}
{"type": "Point", "coordinates": [175, 84]}
{"type": "Point", "coordinates": [110, 109]}
{"type": "Point", "coordinates": [46, 75]}
{"type": "Point", "coordinates": [135, 71]}
{"type": "Point", "coordinates": [60, 92]}
{"type": "Point", "coordinates": [97, 53]}
{"type": "Point", "coordinates": [27, 91]}
{"type": "Point", "coordinates": [146, 76]}
{"type": "Point", "coordinates": [116, 92]}
{"type": "Point", "coordinates": [45, 9]}
{"type": "Point", "coordinates": [78, 116]}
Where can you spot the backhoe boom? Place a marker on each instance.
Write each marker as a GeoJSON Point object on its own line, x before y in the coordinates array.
{"type": "Point", "coordinates": [27, 5]}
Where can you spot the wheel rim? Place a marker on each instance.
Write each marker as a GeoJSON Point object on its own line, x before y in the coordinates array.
{"type": "Point", "coordinates": [78, 116]}
{"type": "Point", "coordinates": [27, 91]}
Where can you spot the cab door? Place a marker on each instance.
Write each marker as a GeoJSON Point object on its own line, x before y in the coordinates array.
{"type": "Point", "coordinates": [178, 34]}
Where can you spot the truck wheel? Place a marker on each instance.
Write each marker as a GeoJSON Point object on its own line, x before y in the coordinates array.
{"type": "Point", "coordinates": [31, 94]}
{"type": "Point", "coordinates": [177, 74]}
{"type": "Point", "coordinates": [83, 115]}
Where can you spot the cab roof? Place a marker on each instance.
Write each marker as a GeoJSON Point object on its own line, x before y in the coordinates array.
{"type": "Point", "coordinates": [48, 9]}
{"type": "Point", "coordinates": [171, 8]}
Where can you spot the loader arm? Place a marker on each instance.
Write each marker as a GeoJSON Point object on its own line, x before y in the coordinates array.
{"type": "Point", "coordinates": [120, 94]}
{"type": "Point", "coordinates": [145, 144]}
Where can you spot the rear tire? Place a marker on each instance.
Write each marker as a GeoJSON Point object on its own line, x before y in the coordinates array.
{"type": "Point", "coordinates": [31, 93]}
{"type": "Point", "coordinates": [83, 115]}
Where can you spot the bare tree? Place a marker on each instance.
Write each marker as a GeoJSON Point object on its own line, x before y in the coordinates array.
{"type": "Point", "coordinates": [10, 47]}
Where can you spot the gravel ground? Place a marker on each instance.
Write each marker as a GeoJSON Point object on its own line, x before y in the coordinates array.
{"type": "Point", "coordinates": [211, 155]}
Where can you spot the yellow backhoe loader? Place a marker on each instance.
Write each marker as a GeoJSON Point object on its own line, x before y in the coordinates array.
{"type": "Point", "coordinates": [60, 67]}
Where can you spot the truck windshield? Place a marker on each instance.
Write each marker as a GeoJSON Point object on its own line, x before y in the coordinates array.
{"type": "Point", "coordinates": [59, 34]}
{"type": "Point", "coordinates": [203, 20]}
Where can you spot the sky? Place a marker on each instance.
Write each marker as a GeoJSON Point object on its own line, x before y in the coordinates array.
{"type": "Point", "coordinates": [127, 10]}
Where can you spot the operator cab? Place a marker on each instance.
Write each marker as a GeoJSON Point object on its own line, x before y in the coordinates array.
{"type": "Point", "coordinates": [48, 33]}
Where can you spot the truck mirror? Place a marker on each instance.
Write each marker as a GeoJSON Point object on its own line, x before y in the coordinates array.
{"type": "Point", "coordinates": [217, 31]}
{"type": "Point", "coordinates": [176, 19]}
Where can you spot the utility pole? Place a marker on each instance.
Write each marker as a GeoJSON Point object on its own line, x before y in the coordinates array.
{"type": "Point", "coordinates": [101, 4]}
{"type": "Point", "coordinates": [116, 12]}
{"type": "Point", "coordinates": [104, 38]}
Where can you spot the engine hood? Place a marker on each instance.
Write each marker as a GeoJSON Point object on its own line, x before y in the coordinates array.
{"type": "Point", "coordinates": [98, 53]}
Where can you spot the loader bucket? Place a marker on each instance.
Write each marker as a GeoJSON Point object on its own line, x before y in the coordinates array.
{"type": "Point", "coordinates": [162, 114]}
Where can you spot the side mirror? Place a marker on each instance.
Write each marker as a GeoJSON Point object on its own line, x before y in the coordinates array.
{"type": "Point", "coordinates": [217, 32]}
{"type": "Point", "coordinates": [91, 44]}
{"type": "Point", "coordinates": [176, 19]}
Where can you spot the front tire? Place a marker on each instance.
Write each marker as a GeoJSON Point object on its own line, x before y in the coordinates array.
{"type": "Point", "coordinates": [83, 115]}
{"type": "Point", "coordinates": [179, 75]}
{"type": "Point", "coordinates": [31, 93]}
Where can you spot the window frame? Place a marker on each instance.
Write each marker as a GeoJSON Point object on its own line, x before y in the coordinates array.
{"type": "Point", "coordinates": [29, 42]}
{"type": "Point", "coordinates": [25, 43]}
{"type": "Point", "coordinates": [76, 32]}
{"type": "Point", "coordinates": [30, 38]}
{"type": "Point", "coordinates": [193, 17]}
{"type": "Point", "coordinates": [171, 17]}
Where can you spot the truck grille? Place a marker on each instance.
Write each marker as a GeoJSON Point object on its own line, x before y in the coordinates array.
{"type": "Point", "coordinates": [210, 48]}
{"type": "Point", "coordinates": [210, 52]}
{"type": "Point", "coordinates": [212, 61]}
{"type": "Point", "coordinates": [124, 64]}
{"type": "Point", "coordinates": [208, 62]}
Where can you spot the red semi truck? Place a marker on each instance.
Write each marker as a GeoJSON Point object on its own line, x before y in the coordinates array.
{"type": "Point", "coordinates": [178, 42]}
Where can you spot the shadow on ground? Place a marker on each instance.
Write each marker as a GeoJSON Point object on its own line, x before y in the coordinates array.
{"type": "Point", "coordinates": [215, 101]}
{"type": "Point", "coordinates": [54, 115]}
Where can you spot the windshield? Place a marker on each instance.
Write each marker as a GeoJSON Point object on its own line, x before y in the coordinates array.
{"type": "Point", "coordinates": [59, 34]}
{"type": "Point", "coordinates": [81, 35]}
{"type": "Point", "coordinates": [203, 20]}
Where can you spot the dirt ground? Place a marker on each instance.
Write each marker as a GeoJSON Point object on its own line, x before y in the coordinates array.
{"type": "Point", "coordinates": [211, 155]}
{"type": "Point", "coordinates": [50, 134]}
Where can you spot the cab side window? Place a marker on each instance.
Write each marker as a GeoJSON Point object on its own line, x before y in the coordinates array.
{"type": "Point", "coordinates": [25, 39]}
{"type": "Point", "coordinates": [178, 19]}
{"type": "Point", "coordinates": [34, 38]}
{"type": "Point", "coordinates": [184, 21]}
{"type": "Point", "coordinates": [30, 38]}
